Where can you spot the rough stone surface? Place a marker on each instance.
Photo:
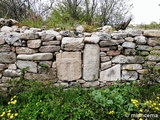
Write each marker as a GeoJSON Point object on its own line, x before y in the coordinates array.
{"type": "Point", "coordinates": [113, 52]}
{"type": "Point", "coordinates": [70, 43]}
{"type": "Point", "coordinates": [9, 57]}
{"type": "Point", "coordinates": [47, 37]}
{"type": "Point", "coordinates": [144, 47]}
{"type": "Point", "coordinates": [12, 37]}
{"type": "Point", "coordinates": [80, 28]}
{"type": "Point", "coordinates": [50, 48]}
{"type": "Point", "coordinates": [134, 33]}
{"type": "Point", "coordinates": [69, 66]}
{"type": "Point", "coordinates": [129, 51]}
{"type": "Point", "coordinates": [107, 43]}
{"type": "Point", "coordinates": [36, 56]}
{"type": "Point", "coordinates": [5, 48]}
{"type": "Point", "coordinates": [152, 33]}
{"type": "Point", "coordinates": [153, 42]}
{"type": "Point", "coordinates": [12, 73]}
{"type": "Point", "coordinates": [91, 62]}
{"type": "Point", "coordinates": [25, 50]}
{"type": "Point", "coordinates": [2, 66]}
{"type": "Point", "coordinates": [34, 43]}
{"type": "Point", "coordinates": [103, 35]}
{"type": "Point", "coordinates": [92, 40]}
{"type": "Point", "coordinates": [29, 36]}
{"type": "Point", "coordinates": [111, 74]}
{"type": "Point", "coordinates": [32, 66]}
{"type": "Point", "coordinates": [51, 43]}
{"type": "Point", "coordinates": [12, 67]}
{"type": "Point", "coordinates": [128, 45]}
{"type": "Point", "coordinates": [132, 67]}
{"type": "Point", "coordinates": [105, 59]}
{"type": "Point", "coordinates": [129, 39]}
{"type": "Point", "coordinates": [118, 35]}
{"type": "Point", "coordinates": [155, 58]}
{"type": "Point", "coordinates": [129, 75]}
{"type": "Point", "coordinates": [91, 84]}
{"type": "Point", "coordinates": [140, 40]}
{"type": "Point", "coordinates": [106, 65]}
{"type": "Point", "coordinates": [2, 38]}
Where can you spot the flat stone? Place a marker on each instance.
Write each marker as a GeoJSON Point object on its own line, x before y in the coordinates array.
{"type": "Point", "coordinates": [36, 56]}
{"type": "Point", "coordinates": [12, 67]}
{"type": "Point", "coordinates": [129, 52]}
{"type": "Point", "coordinates": [106, 65]}
{"type": "Point", "coordinates": [134, 33]}
{"type": "Point", "coordinates": [80, 28]}
{"type": "Point", "coordinates": [87, 34]}
{"type": "Point", "coordinates": [153, 42]}
{"type": "Point", "coordinates": [103, 54]}
{"type": "Point", "coordinates": [47, 37]}
{"type": "Point", "coordinates": [119, 35]}
{"type": "Point", "coordinates": [9, 57]}
{"type": "Point", "coordinates": [50, 48]}
{"type": "Point", "coordinates": [103, 35]}
{"type": "Point", "coordinates": [69, 66]}
{"type": "Point", "coordinates": [155, 52]}
{"type": "Point", "coordinates": [132, 67]}
{"type": "Point", "coordinates": [70, 43]}
{"type": "Point", "coordinates": [91, 62]}
{"type": "Point", "coordinates": [113, 52]}
{"type": "Point", "coordinates": [142, 71]}
{"type": "Point", "coordinates": [129, 75]}
{"type": "Point", "coordinates": [140, 40]}
{"type": "Point", "coordinates": [25, 50]}
{"type": "Point", "coordinates": [2, 38]}
{"type": "Point", "coordinates": [34, 43]}
{"type": "Point", "coordinates": [92, 40]}
{"type": "Point", "coordinates": [128, 59]}
{"type": "Point", "coordinates": [5, 48]}
{"type": "Point", "coordinates": [24, 64]}
{"type": "Point", "coordinates": [152, 33]}
{"type": "Point", "coordinates": [105, 59]}
{"type": "Point", "coordinates": [91, 84]}
{"type": "Point", "coordinates": [12, 37]}
{"type": "Point", "coordinates": [2, 66]}
{"type": "Point", "coordinates": [155, 58]}
{"type": "Point", "coordinates": [6, 29]}
{"type": "Point", "coordinates": [129, 39]}
{"type": "Point", "coordinates": [51, 43]}
{"type": "Point", "coordinates": [156, 47]}
{"type": "Point", "coordinates": [107, 43]}
{"type": "Point", "coordinates": [29, 36]}
{"type": "Point", "coordinates": [81, 81]}
{"type": "Point", "coordinates": [11, 73]}
{"type": "Point", "coordinates": [104, 49]}
{"type": "Point", "coordinates": [144, 47]}
{"type": "Point", "coordinates": [129, 45]}
{"type": "Point", "coordinates": [111, 74]}
{"type": "Point", "coordinates": [61, 84]}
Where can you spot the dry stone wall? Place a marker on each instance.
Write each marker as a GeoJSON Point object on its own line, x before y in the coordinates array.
{"type": "Point", "coordinates": [73, 58]}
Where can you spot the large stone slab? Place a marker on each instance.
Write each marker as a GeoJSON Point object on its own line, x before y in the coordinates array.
{"type": "Point", "coordinates": [91, 61]}
{"type": "Point", "coordinates": [32, 66]}
{"type": "Point", "coordinates": [152, 33]}
{"type": "Point", "coordinates": [8, 57]}
{"type": "Point", "coordinates": [36, 56]}
{"type": "Point", "coordinates": [92, 40]}
{"type": "Point", "coordinates": [111, 74]}
{"type": "Point", "coordinates": [25, 50]}
{"type": "Point", "coordinates": [132, 67]}
{"type": "Point", "coordinates": [129, 75]}
{"type": "Point", "coordinates": [69, 66]}
{"type": "Point", "coordinates": [29, 36]}
{"type": "Point", "coordinates": [12, 73]}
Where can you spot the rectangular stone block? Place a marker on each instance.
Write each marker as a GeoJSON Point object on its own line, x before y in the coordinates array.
{"type": "Point", "coordinates": [69, 66]}
{"type": "Point", "coordinates": [91, 61]}
{"type": "Point", "coordinates": [7, 57]}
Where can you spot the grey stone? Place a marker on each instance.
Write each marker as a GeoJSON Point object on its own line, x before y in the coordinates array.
{"type": "Point", "coordinates": [92, 40]}
{"type": "Point", "coordinates": [2, 38]}
{"type": "Point", "coordinates": [91, 84]}
{"type": "Point", "coordinates": [119, 35]}
{"type": "Point", "coordinates": [12, 37]}
{"type": "Point", "coordinates": [51, 43]}
{"type": "Point", "coordinates": [87, 34]}
{"type": "Point", "coordinates": [9, 57]}
{"type": "Point", "coordinates": [32, 66]}
{"type": "Point", "coordinates": [11, 73]}
{"type": "Point", "coordinates": [155, 58]}
{"type": "Point", "coordinates": [105, 59]}
{"type": "Point", "coordinates": [128, 45]}
{"type": "Point", "coordinates": [155, 52]}
{"type": "Point", "coordinates": [5, 48]}
{"type": "Point", "coordinates": [104, 49]}
{"type": "Point", "coordinates": [12, 67]}
{"type": "Point", "coordinates": [142, 71]}
{"type": "Point", "coordinates": [106, 65]}
{"type": "Point", "coordinates": [132, 67]}
{"type": "Point", "coordinates": [70, 43]}
{"type": "Point", "coordinates": [103, 35]}
{"type": "Point", "coordinates": [129, 75]}
{"type": "Point", "coordinates": [69, 66]}
{"type": "Point", "coordinates": [140, 40]}
{"type": "Point", "coordinates": [62, 84]}
{"type": "Point", "coordinates": [47, 37]}
{"type": "Point", "coordinates": [34, 43]}
{"type": "Point", "coordinates": [2, 66]}
{"type": "Point", "coordinates": [25, 50]}
{"type": "Point", "coordinates": [103, 54]}
{"type": "Point", "coordinates": [152, 33]}
{"type": "Point", "coordinates": [156, 47]}
{"type": "Point", "coordinates": [144, 47]}
{"type": "Point", "coordinates": [36, 56]}
{"type": "Point", "coordinates": [80, 28]}
{"type": "Point", "coordinates": [153, 42]}
{"type": "Point", "coordinates": [29, 36]}
{"type": "Point", "coordinates": [59, 37]}
{"type": "Point", "coordinates": [134, 33]}
{"type": "Point", "coordinates": [107, 43]}
{"type": "Point", "coordinates": [91, 62]}
{"type": "Point", "coordinates": [6, 29]}
{"type": "Point", "coordinates": [129, 39]}
{"type": "Point", "coordinates": [50, 48]}
{"type": "Point", "coordinates": [81, 81]}
{"type": "Point", "coordinates": [111, 74]}
{"type": "Point", "coordinates": [129, 51]}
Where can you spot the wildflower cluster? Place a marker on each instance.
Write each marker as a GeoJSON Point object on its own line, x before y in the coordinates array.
{"type": "Point", "coordinates": [13, 101]}
{"type": "Point", "coordinates": [111, 112]}
{"type": "Point", "coordinates": [134, 102]}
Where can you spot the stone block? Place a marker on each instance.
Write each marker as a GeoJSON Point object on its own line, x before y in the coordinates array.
{"type": "Point", "coordinates": [9, 57]}
{"type": "Point", "coordinates": [132, 67]}
{"type": "Point", "coordinates": [25, 50]}
{"type": "Point", "coordinates": [34, 43]}
{"type": "Point", "coordinates": [129, 75]}
{"type": "Point", "coordinates": [50, 48]}
{"type": "Point", "coordinates": [129, 45]}
{"type": "Point", "coordinates": [5, 48]}
{"type": "Point", "coordinates": [144, 47]}
{"type": "Point", "coordinates": [92, 40]}
{"type": "Point", "coordinates": [152, 33]}
{"type": "Point", "coordinates": [106, 65]}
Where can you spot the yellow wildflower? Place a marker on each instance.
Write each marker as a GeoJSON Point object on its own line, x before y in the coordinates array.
{"type": "Point", "coordinates": [3, 113]}
{"type": "Point", "coordinates": [140, 119]}
{"type": "Point", "coordinates": [156, 108]}
{"type": "Point", "coordinates": [140, 110]}
{"type": "Point", "coordinates": [40, 101]}
{"type": "Point", "coordinates": [157, 97]}
{"type": "Point", "coordinates": [111, 112]}
{"type": "Point", "coordinates": [9, 111]}
{"type": "Point", "coordinates": [8, 114]}
{"type": "Point", "coordinates": [16, 114]}
{"type": "Point", "coordinates": [9, 103]}
{"type": "Point", "coordinates": [14, 102]}
{"type": "Point", "coordinates": [154, 104]}
{"type": "Point", "coordinates": [11, 117]}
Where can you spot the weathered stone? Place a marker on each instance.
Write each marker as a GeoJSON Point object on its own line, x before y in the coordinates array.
{"type": "Point", "coordinates": [70, 43]}
{"type": "Point", "coordinates": [104, 49]}
{"type": "Point", "coordinates": [5, 48]}
{"type": "Point", "coordinates": [140, 40]}
{"type": "Point", "coordinates": [153, 42]}
{"type": "Point", "coordinates": [128, 59]}
{"type": "Point", "coordinates": [87, 34]}
{"type": "Point", "coordinates": [47, 37]}
{"type": "Point", "coordinates": [25, 50]}
{"type": "Point", "coordinates": [129, 75]}
{"type": "Point", "coordinates": [92, 40]}
{"type": "Point", "coordinates": [134, 33]}
{"type": "Point", "coordinates": [6, 29]}
{"type": "Point", "coordinates": [144, 47]}
{"type": "Point", "coordinates": [142, 71]}
{"type": "Point", "coordinates": [111, 74]}
{"type": "Point", "coordinates": [59, 37]}
{"type": "Point", "coordinates": [91, 62]}
{"type": "Point", "coordinates": [2, 66]}
{"type": "Point", "coordinates": [144, 53]}
{"type": "Point", "coordinates": [29, 36]}
{"type": "Point", "coordinates": [103, 35]}
{"type": "Point", "coordinates": [47, 63]}
{"type": "Point", "coordinates": [81, 81]}
{"type": "Point", "coordinates": [129, 39]}
{"type": "Point", "coordinates": [91, 84]}
{"type": "Point", "coordinates": [155, 52]}
{"type": "Point", "coordinates": [51, 43]}
{"type": "Point", "coordinates": [152, 33]}
{"type": "Point", "coordinates": [2, 38]}
{"type": "Point", "coordinates": [155, 58]}
{"type": "Point", "coordinates": [12, 37]}
{"type": "Point", "coordinates": [34, 43]}
{"type": "Point", "coordinates": [68, 65]}
{"type": "Point", "coordinates": [106, 65]}
{"type": "Point", "coordinates": [129, 45]}
{"type": "Point", "coordinates": [105, 59]}
{"type": "Point", "coordinates": [156, 47]}
{"type": "Point", "coordinates": [129, 52]}
{"type": "Point", "coordinates": [107, 43]}
{"type": "Point", "coordinates": [5, 80]}
{"type": "Point", "coordinates": [36, 56]}
{"type": "Point", "coordinates": [120, 41]}
{"type": "Point", "coordinates": [50, 48]}
{"type": "Point", "coordinates": [44, 66]}
{"type": "Point", "coordinates": [61, 84]}
{"type": "Point", "coordinates": [118, 35]}
{"type": "Point", "coordinates": [113, 52]}
{"type": "Point", "coordinates": [32, 66]}
{"type": "Point", "coordinates": [11, 73]}
{"type": "Point", "coordinates": [12, 67]}
{"type": "Point", "coordinates": [80, 28]}
{"type": "Point", "coordinates": [9, 57]}
{"type": "Point", "coordinates": [132, 67]}
{"type": "Point", "coordinates": [158, 65]}
{"type": "Point", "coordinates": [103, 54]}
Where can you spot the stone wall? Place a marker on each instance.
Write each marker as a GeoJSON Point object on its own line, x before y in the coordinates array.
{"type": "Point", "coordinates": [73, 58]}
